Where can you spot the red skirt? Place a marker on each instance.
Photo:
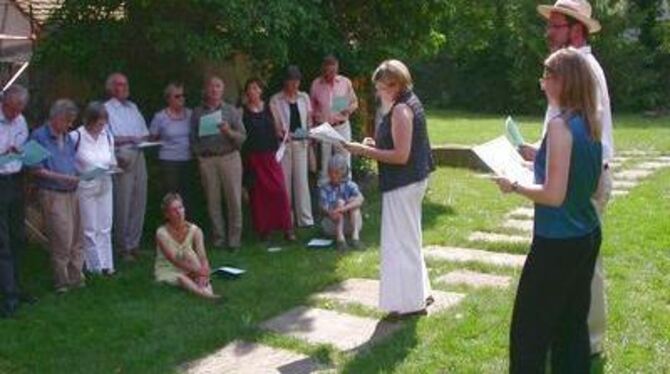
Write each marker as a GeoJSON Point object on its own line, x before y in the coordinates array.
{"type": "Point", "coordinates": [270, 208]}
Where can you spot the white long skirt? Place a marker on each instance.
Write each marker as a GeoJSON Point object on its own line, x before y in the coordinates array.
{"type": "Point", "coordinates": [404, 278]}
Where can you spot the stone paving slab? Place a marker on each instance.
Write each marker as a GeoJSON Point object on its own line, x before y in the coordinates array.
{"type": "Point", "coordinates": [366, 292]}
{"type": "Point", "coordinates": [475, 279]}
{"type": "Point", "coordinates": [491, 237]}
{"type": "Point", "coordinates": [240, 357]}
{"type": "Point", "coordinates": [620, 193]}
{"type": "Point", "coordinates": [522, 213]}
{"type": "Point", "coordinates": [652, 165]}
{"type": "Point", "coordinates": [525, 226]}
{"type": "Point", "coordinates": [474, 255]}
{"type": "Point", "coordinates": [633, 174]}
{"type": "Point", "coordinates": [320, 326]}
{"type": "Point", "coordinates": [624, 184]}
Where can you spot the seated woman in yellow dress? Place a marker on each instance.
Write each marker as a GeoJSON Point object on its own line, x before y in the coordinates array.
{"type": "Point", "coordinates": [180, 251]}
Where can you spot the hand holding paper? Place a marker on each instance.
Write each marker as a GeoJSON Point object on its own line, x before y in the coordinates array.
{"type": "Point", "coordinates": [504, 160]}
{"type": "Point", "coordinates": [327, 134]}
{"type": "Point", "coordinates": [512, 133]}
{"type": "Point", "coordinates": [209, 124]}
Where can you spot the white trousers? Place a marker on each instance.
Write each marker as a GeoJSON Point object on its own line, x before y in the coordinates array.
{"type": "Point", "coordinates": [404, 279]}
{"type": "Point", "coordinates": [327, 150]}
{"type": "Point", "coordinates": [294, 166]}
{"type": "Point", "coordinates": [96, 208]}
{"type": "Point", "coordinates": [597, 320]}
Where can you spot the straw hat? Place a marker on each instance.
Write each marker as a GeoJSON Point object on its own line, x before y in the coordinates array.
{"type": "Point", "coordinates": [577, 9]}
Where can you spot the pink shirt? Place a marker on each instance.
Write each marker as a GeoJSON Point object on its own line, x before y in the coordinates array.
{"type": "Point", "coordinates": [325, 95]}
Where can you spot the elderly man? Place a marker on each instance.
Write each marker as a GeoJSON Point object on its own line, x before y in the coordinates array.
{"type": "Point", "coordinates": [333, 101]}
{"type": "Point", "coordinates": [57, 182]}
{"type": "Point", "coordinates": [569, 24]}
{"type": "Point", "coordinates": [13, 134]}
{"type": "Point", "coordinates": [129, 128]}
{"type": "Point", "coordinates": [220, 162]}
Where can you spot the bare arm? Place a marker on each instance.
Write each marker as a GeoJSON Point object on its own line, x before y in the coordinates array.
{"type": "Point", "coordinates": [170, 256]}
{"type": "Point", "coordinates": [199, 247]}
{"type": "Point", "coordinates": [353, 203]}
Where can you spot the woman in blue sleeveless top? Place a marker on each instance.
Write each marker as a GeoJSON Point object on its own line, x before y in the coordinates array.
{"type": "Point", "coordinates": [402, 150]}
{"type": "Point", "coordinates": [553, 296]}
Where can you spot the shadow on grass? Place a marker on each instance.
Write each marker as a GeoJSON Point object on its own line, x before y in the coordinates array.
{"type": "Point", "coordinates": [432, 211]}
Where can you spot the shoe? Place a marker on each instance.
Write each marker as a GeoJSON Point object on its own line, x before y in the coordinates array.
{"type": "Point", "coordinates": [395, 316]}
{"type": "Point", "coordinates": [341, 245]}
{"type": "Point", "coordinates": [62, 290]}
{"type": "Point", "coordinates": [429, 301]}
{"type": "Point", "coordinates": [290, 236]}
{"type": "Point", "coordinates": [9, 308]}
{"type": "Point", "coordinates": [357, 244]}
{"type": "Point", "coordinates": [27, 298]}
{"type": "Point", "coordinates": [219, 244]}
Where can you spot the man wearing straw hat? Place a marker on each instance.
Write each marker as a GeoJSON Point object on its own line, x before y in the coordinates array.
{"type": "Point", "coordinates": [569, 24]}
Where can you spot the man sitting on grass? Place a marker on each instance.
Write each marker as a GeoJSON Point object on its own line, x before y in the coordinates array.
{"type": "Point", "coordinates": [340, 201]}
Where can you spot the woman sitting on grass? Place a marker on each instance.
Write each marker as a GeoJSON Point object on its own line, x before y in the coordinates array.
{"type": "Point", "coordinates": [180, 251]}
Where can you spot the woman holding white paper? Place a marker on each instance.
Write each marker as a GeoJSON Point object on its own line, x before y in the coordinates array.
{"type": "Point", "coordinates": [402, 150]}
{"type": "Point", "coordinates": [95, 151]}
{"type": "Point", "coordinates": [293, 112]}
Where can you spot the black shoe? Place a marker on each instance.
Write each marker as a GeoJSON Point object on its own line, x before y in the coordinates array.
{"type": "Point", "coordinates": [27, 298]}
{"type": "Point", "coordinates": [8, 308]}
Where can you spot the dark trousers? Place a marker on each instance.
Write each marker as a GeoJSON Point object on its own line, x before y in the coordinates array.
{"type": "Point", "coordinates": [178, 177]}
{"type": "Point", "coordinates": [552, 306]}
{"type": "Point", "coordinates": [12, 233]}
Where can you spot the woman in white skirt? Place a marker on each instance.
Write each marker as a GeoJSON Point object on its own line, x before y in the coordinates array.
{"type": "Point", "coordinates": [94, 161]}
{"type": "Point", "coordinates": [402, 150]}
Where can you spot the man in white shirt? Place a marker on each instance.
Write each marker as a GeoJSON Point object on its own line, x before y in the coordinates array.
{"type": "Point", "coordinates": [569, 23]}
{"type": "Point", "coordinates": [13, 134]}
{"type": "Point", "coordinates": [129, 128]}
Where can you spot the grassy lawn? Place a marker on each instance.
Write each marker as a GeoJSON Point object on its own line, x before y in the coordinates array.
{"type": "Point", "coordinates": [129, 324]}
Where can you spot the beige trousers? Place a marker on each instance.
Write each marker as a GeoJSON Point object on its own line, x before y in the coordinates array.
{"type": "Point", "coordinates": [63, 226]}
{"type": "Point", "coordinates": [223, 173]}
{"type": "Point", "coordinates": [130, 200]}
{"type": "Point", "coordinates": [597, 320]}
{"type": "Point", "coordinates": [294, 165]}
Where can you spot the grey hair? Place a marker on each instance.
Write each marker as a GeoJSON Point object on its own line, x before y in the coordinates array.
{"type": "Point", "coordinates": [109, 83]}
{"type": "Point", "coordinates": [63, 107]}
{"type": "Point", "coordinates": [171, 87]}
{"type": "Point", "coordinates": [94, 111]}
{"type": "Point", "coordinates": [16, 92]}
{"type": "Point", "coordinates": [339, 162]}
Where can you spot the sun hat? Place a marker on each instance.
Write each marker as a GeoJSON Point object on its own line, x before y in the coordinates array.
{"type": "Point", "coordinates": [580, 10]}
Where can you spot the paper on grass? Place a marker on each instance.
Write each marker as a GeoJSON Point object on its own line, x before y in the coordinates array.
{"type": "Point", "coordinates": [512, 132]}
{"type": "Point", "coordinates": [230, 270]}
{"type": "Point", "coordinates": [326, 133]}
{"type": "Point", "coordinates": [504, 160]}
{"type": "Point", "coordinates": [317, 242]}
{"type": "Point", "coordinates": [209, 124]}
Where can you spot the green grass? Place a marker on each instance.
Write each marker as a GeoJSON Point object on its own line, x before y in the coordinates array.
{"type": "Point", "coordinates": [129, 324]}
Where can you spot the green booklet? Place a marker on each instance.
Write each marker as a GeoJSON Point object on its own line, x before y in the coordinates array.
{"type": "Point", "coordinates": [209, 124]}
{"type": "Point", "coordinates": [512, 133]}
{"type": "Point", "coordinates": [34, 153]}
{"type": "Point", "coordinates": [339, 104]}
{"type": "Point", "coordinates": [9, 157]}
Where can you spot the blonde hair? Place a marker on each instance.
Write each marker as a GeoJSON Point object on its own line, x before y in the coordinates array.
{"type": "Point", "coordinates": [392, 73]}
{"type": "Point", "coordinates": [168, 199]}
{"type": "Point", "coordinates": [579, 91]}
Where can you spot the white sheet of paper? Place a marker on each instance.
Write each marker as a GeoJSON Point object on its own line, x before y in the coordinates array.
{"type": "Point", "coordinates": [149, 144]}
{"type": "Point", "coordinates": [231, 270]}
{"type": "Point", "coordinates": [326, 133]}
{"type": "Point", "coordinates": [316, 242]}
{"type": "Point", "coordinates": [274, 249]}
{"type": "Point", "coordinates": [280, 152]}
{"type": "Point", "coordinates": [504, 160]}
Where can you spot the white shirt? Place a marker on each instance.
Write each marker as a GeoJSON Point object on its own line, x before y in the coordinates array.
{"type": "Point", "coordinates": [282, 107]}
{"type": "Point", "coordinates": [125, 119]}
{"type": "Point", "coordinates": [13, 133]}
{"type": "Point", "coordinates": [91, 152]}
{"type": "Point", "coordinates": [604, 108]}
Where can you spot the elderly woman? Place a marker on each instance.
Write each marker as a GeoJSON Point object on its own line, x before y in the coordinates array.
{"type": "Point", "coordinates": [553, 296]}
{"type": "Point", "coordinates": [57, 181]}
{"type": "Point", "coordinates": [94, 160]}
{"type": "Point", "coordinates": [172, 126]}
{"type": "Point", "coordinates": [402, 150]}
{"type": "Point", "coordinates": [180, 251]}
{"type": "Point", "coordinates": [340, 201]}
{"type": "Point", "coordinates": [220, 162]}
{"type": "Point", "coordinates": [292, 111]}
{"type": "Point", "coordinates": [270, 209]}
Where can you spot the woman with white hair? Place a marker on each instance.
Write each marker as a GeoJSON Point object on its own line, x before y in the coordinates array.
{"type": "Point", "coordinates": [94, 146]}
{"type": "Point", "coordinates": [172, 126]}
{"type": "Point", "coordinates": [402, 150]}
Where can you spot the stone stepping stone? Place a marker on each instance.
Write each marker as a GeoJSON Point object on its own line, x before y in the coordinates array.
{"type": "Point", "coordinates": [619, 193]}
{"type": "Point", "coordinates": [525, 226]}
{"type": "Point", "coordinates": [240, 357]}
{"type": "Point", "coordinates": [637, 153]}
{"type": "Point", "coordinates": [522, 213]}
{"type": "Point", "coordinates": [320, 326]}
{"type": "Point", "coordinates": [653, 165]}
{"type": "Point", "coordinates": [490, 237]}
{"type": "Point", "coordinates": [475, 279]}
{"type": "Point", "coordinates": [624, 184]}
{"type": "Point", "coordinates": [462, 255]}
{"type": "Point", "coordinates": [366, 292]}
{"type": "Point", "coordinates": [633, 174]}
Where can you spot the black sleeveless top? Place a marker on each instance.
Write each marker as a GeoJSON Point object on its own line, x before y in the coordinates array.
{"type": "Point", "coordinates": [261, 135]}
{"type": "Point", "coordinates": [420, 163]}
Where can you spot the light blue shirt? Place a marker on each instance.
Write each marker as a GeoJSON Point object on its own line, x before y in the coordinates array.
{"type": "Point", "coordinates": [13, 133]}
{"type": "Point", "coordinates": [125, 119]}
{"type": "Point", "coordinates": [174, 134]}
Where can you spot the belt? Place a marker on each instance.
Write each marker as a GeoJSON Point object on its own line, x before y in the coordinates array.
{"type": "Point", "coordinates": [51, 189]}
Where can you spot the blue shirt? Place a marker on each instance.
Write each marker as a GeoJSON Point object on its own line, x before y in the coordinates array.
{"type": "Point", "coordinates": [174, 133]}
{"type": "Point", "coordinates": [577, 215]}
{"type": "Point", "coordinates": [329, 194]}
{"type": "Point", "coordinates": [62, 157]}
